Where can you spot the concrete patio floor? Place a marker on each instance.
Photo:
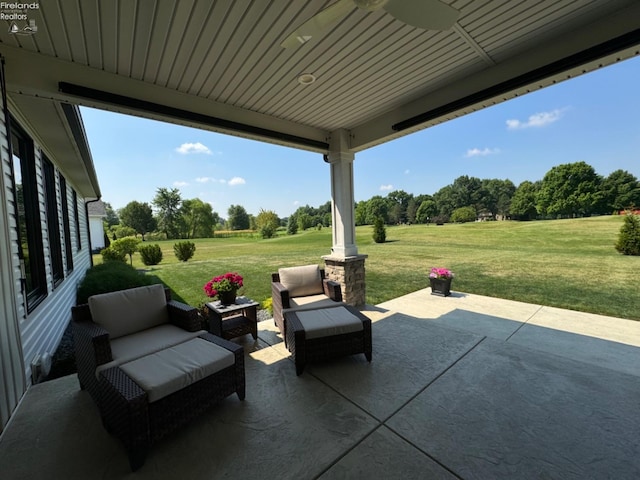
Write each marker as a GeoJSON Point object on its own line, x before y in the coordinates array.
{"type": "Point", "coordinates": [464, 387]}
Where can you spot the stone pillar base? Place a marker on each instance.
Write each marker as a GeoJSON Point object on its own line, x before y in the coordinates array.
{"type": "Point", "coordinates": [349, 273]}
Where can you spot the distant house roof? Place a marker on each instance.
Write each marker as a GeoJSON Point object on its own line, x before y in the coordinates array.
{"type": "Point", "coordinates": [96, 209]}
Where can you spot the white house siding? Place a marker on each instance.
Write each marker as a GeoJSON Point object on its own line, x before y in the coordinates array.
{"type": "Point", "coordinates": [41, 329]}
{"type": "Point", "coordinates": [12, 379]}
{"type": "Point", "coordinates": [97, 233]}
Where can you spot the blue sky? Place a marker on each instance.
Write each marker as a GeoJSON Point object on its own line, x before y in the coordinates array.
{"type": "Point", "coordinates": [593, 118]}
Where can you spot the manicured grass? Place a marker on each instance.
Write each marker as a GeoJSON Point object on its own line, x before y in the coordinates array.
{"type": "Point", "coordinates": [562, 263]}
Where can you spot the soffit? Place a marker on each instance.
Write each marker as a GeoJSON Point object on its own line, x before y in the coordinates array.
{"type": "Point", "coordinates": [223, 59]}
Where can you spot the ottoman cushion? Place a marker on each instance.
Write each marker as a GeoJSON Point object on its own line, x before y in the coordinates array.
{"type": "Point", "coordinates": [167, 371]}
{"type": "Point", "coordinates": [328, 321]}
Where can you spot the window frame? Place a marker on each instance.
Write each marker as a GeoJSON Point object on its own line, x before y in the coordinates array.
{"type": "Point", "coordinates": [65, 221]}
{"type": "Point", "coordinates": [33, 226]}
{"type": "Point", "coordinates": [76, 218]}
{"type": "Point", "coordinates": [53, 220]}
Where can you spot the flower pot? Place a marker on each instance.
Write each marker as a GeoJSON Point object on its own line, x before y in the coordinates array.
{"type": "Point", "coordinates": [227, 298]}
{"type": "Point", "coordinates": [440, 286]}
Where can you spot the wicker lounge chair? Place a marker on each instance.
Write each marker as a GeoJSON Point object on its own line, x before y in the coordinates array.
{"type": "Point", "coordinates": [301, 288]}
{"type": "Point", "coordinates": [121, 338]}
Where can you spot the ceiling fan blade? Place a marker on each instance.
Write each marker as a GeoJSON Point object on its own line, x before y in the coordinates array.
{"type": "Point", "coordinates": [316, 24]}
{"type": "Point", "coordinates": [425, 14]}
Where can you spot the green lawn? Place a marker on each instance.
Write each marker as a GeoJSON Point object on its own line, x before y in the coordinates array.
{"type": "Point", "coordinates": [562, 263]}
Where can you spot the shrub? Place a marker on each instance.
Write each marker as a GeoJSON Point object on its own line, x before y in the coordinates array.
{"type": "Point", "coordinates": [267, 305]}
{"type": "Point", "coordinates": [151, 254]}
{"type": "Point", "coordinates": [184, 250]}
{"type": "Point", "coordinates": [110, 277]}
{"type": "Point", "coordinates": [464, 215]}
{"type": "Point", "coordinates": [111, 254]}
{"type": "Point", "coordinates": [379, 231]}
{"type": "Point", "coordinates": [629, 237]}
{"type": "Point", "coordinates": [126, 246]}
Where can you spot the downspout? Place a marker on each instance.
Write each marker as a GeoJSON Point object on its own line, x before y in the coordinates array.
{"type": "Point", "coordinates": [86, 219]}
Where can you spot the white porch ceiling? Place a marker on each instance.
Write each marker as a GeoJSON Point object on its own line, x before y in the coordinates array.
{"type": "Point", "coordinates": [218, 65]}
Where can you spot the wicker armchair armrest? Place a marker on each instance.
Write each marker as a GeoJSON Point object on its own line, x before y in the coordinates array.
{"type": "Point", "coordinates": [280, 295]}
{"type": "Point", "coordinates": [90, 339]}
{"type": "Point", "coordinates": [184, 316]}
{"type": "Point", "coordinates": [238, 352]}
{"type": "Point", "coordinates": [332, 290]}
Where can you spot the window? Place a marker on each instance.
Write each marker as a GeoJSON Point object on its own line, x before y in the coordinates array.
{"type": "Point", "coordinates": [27, 215]}
{"type": "Point", "coordinates": [53, 222]}
{"type": "Point", "coordinates": [76, 219]}
{"type": "Point", "coordinates": [65, 222]}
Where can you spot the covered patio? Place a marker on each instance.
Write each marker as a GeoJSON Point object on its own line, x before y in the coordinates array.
{"type": "Point", "coordinates": [459, 387]}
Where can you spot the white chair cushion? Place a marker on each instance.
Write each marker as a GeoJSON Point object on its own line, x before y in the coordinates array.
{"type": "Point", "coordinates": [301, 281]}
{"type": "Point", "coordinates": [328, 321]}
{"type": "Point", "coordinates": [140, 344]}
{"type": "Point", "coordinates": [167, 371]}
{"type": "Point", "coordinates": [129, 311]}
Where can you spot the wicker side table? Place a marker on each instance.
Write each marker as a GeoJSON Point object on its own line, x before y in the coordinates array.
{"type": "Point", "coordinates": [230, 321]}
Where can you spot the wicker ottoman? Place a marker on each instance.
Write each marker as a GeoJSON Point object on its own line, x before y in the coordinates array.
{"type": "Point", "coordinates": [327, 333]}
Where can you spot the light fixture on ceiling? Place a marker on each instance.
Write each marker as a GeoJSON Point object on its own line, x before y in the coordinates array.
{"type": "Point", "coordinates": [306, 79]}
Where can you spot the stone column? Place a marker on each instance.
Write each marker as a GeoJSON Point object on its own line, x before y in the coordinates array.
{"type": "Point", "coordinates": [344, 265]}
{"type": "Point", "coordinates": [349, 273]}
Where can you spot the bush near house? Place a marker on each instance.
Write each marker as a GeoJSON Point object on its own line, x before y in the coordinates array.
{"type": "Point", "coordinates": [110, 277]}
{"type": "Point", "coordinates": [464, 215]}
{"type": "Point", "coordinates": [111, 254]}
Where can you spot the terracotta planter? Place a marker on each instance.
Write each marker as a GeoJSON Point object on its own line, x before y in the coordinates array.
{"type": "Point", "coordinates": [440, 286]}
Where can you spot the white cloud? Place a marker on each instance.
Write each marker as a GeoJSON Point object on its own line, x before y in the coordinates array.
{"type": "Point", "coordinates": [237, 181]}
{"type": "Point", "coordinates": [204, 179]}
{"type": "Point", "coordinates": [541, 119]}
{"type": "Point", "coordinates": [386, 187]}
{"type": "Point", "coordinates": [180, 184]}
{"type": "Point", "coordinates": [477, 152]}
{"type": "Point", "coordinates": [296, 202]}
{"type": "Point", "coordinates": [187, 148]}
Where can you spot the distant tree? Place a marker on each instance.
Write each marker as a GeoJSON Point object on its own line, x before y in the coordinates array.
{"type": "Point", "coordinates": [267, 222]}
{"type": "Point", "coordinates": [620, 190]}
{"type": "Point", "coordinates": [467, 191]}
{"type": "Point", "coordinates": [377, 207]}
{"type": "Point", "coordinates": [121, 231]}
{"type": "Point", "coordinates": [198, 219]}
{"type": "Point", "coordinates": [167, 203]}
{"type": "Point", "coordinates": [112, 217]}
{"type": "Point", "coordinates": [496, 196]}
{"type": "Point", "coordinates": [629, 238]}
{"type": "Point", "coordinates": [445, 201]}
{"type": "Point", "coordinates": [138, 216]}
{"type": "Point", "coordinates": [569, 190]}
{"type": "Point", "coordinates": [464, 215]}
{"type": "Point", "coordinates": [412, 209]}
{"type": "Point", "coordinates": [292, 225]}
{"type": "Point", "coordinates": [398, 201]}
{"type": "Point", "coordinates": [361, 213]}
{"type": "Point", "coordinates": [304, 220]}
{"type": "Point", "coordinates": [238, 218]}
{"type": "Point", "coordinates": [523, 202]}
{"type": "Point", "coordinates": [426, 211]}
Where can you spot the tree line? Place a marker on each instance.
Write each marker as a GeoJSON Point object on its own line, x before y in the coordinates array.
{"type": "Point", "coordinates": [567, 190]}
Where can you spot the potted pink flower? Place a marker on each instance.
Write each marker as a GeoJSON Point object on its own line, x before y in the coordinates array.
{"type": "Point", "coordinates": [440, 280]}
{"type": "Point", "coordinates": [224, 287]}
